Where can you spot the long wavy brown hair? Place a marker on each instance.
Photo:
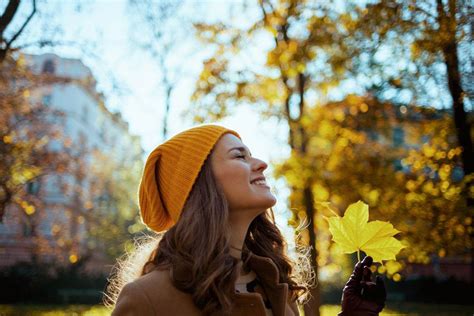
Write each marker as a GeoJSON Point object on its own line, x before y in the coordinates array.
{"type": "Point", "coordinates": [198, 246]}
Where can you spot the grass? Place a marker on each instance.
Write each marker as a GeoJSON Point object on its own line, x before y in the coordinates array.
{"type": "Point", "coordinates": [53, 310]}
{"type": "Point", "coordinates": [410, 309]}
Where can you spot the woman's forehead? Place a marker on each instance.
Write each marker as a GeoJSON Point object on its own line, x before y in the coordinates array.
{"type": "Point", "coordinates": [229, 141]}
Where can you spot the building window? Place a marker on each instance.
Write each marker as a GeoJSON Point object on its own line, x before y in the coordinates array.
{"type": "Point", "coordinates": [48, 67]}
{"type": "Point", "coordinates": [85, 113]}
{"type": "Point", "coordinates": [46, 100]}
{"type": "Point", "coordinates": [457, 174]}
{"type": "Point", "coordinates": [398, 136]}
{"type": "Point", "coordinates": [82, 140]}
{"type": "Point", "coordinates": [27, 229]}
{"type": "Point", "coordinates": [373, 135]}
{"type": "Point", "coordinates": [32, 187]}
{"type": "Point", "coordinates": [103, 133]}
{"type": "Point", "coordinates": [397, 164]}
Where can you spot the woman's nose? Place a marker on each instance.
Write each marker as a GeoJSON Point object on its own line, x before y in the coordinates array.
{"type": "Point", "coordinates": [259, 165]}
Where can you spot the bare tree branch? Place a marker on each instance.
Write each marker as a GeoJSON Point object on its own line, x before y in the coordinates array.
{"type": "Point", "coordinates": [8, 15]}
{"type": "Point", "coordinates": [5, 20]}
{"type": "Point", "coordinates": [23, 26]}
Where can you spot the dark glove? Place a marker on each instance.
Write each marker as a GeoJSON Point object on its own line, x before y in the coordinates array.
{"type": "Point", "coordinates": [361, 296]}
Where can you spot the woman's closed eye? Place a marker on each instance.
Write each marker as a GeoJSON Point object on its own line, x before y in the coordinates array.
{"type": "Point", "coordinates": [240, 156]}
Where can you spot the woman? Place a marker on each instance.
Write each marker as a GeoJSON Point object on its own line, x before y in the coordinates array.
{"type": "Point", "coordinates": [221, 252]}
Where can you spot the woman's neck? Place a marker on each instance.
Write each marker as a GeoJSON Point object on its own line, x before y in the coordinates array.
{"type": "Point", "coordinates": [238, 232]}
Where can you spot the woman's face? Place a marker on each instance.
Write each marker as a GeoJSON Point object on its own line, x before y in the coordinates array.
{"type": "Point", "coordinates": [236, 171]}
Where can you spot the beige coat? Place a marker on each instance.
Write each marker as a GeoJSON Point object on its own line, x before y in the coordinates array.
{"type": "Point", "coordinates": [154, 294]}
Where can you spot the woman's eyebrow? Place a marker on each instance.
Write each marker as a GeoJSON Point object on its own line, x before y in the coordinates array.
{"type": "Point", "coordinates": [242, 149]}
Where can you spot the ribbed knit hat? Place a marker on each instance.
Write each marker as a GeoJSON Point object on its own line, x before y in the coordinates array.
{"type": "Point", "coordinates": [177, 163]}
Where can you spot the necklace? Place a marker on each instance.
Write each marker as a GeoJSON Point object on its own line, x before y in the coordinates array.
{"type": "Point", "coordinates": [245, 268]}
{"type": "Point", "coordinates": [235, 248]}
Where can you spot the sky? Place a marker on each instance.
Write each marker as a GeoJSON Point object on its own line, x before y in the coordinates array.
{"type": "Point", "coordinates": [115, 59]}
{"type": "Point", "coordinates": [101, 35]}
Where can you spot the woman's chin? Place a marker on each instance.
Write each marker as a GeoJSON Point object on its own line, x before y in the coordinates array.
{"type": "Point", "coordinates": [274, 201]}
{"type": "Point", "coordinates": [271, 201]}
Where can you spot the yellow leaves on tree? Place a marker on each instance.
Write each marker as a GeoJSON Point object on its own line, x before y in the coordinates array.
{"type": "Point", "coordinates": [353, 232]}
{"type": "Point", "coordinates": [29, 209]}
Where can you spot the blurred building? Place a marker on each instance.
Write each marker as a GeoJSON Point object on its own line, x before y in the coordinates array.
{"type": "Point", "coordinates": [86, 126]}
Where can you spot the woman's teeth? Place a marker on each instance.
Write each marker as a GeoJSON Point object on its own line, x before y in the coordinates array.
{"type": "Point", "coordinates": [260, 182]}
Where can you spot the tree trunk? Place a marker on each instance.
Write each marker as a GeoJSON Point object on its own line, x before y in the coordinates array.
{"type": "Point", "coordinates": [463, 128]}
{"type": "Point", "coordinates": [312, 307]}
{"type": "Point", "coordinates": [448, 24]}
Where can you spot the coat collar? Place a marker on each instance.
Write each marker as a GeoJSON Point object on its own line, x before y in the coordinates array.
{"type": "Point", "coordinates": [268, 273]}
{"type": "Point", "coordinates": [264, 267]}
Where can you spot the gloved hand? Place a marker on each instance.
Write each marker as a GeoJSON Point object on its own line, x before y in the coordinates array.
{"type": "Point", "coordinates": [361, 296]}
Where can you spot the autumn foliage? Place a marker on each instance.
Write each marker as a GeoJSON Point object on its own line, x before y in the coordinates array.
{"type": "Point", "coordinates": [26, 130]}
{"type": "Point", "coordinates": [406, 157]}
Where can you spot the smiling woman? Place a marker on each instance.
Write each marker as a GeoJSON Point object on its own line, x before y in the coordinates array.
{"type": "Point", "coordinates": [219, 251]}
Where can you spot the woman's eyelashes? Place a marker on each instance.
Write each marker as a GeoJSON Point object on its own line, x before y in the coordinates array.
{"type": "Point", "coordinates": [240, 157]}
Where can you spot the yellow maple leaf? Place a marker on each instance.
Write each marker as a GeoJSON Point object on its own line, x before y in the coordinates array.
{"type": "Point", "coordinates": [353, 232]}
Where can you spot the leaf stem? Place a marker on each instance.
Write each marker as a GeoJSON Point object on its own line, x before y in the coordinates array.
{"type": "Point", "coordinates": [358, 255]}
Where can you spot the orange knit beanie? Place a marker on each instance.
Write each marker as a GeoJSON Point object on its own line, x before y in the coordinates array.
{"type": "Point", "coordinates": [176, 163]}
